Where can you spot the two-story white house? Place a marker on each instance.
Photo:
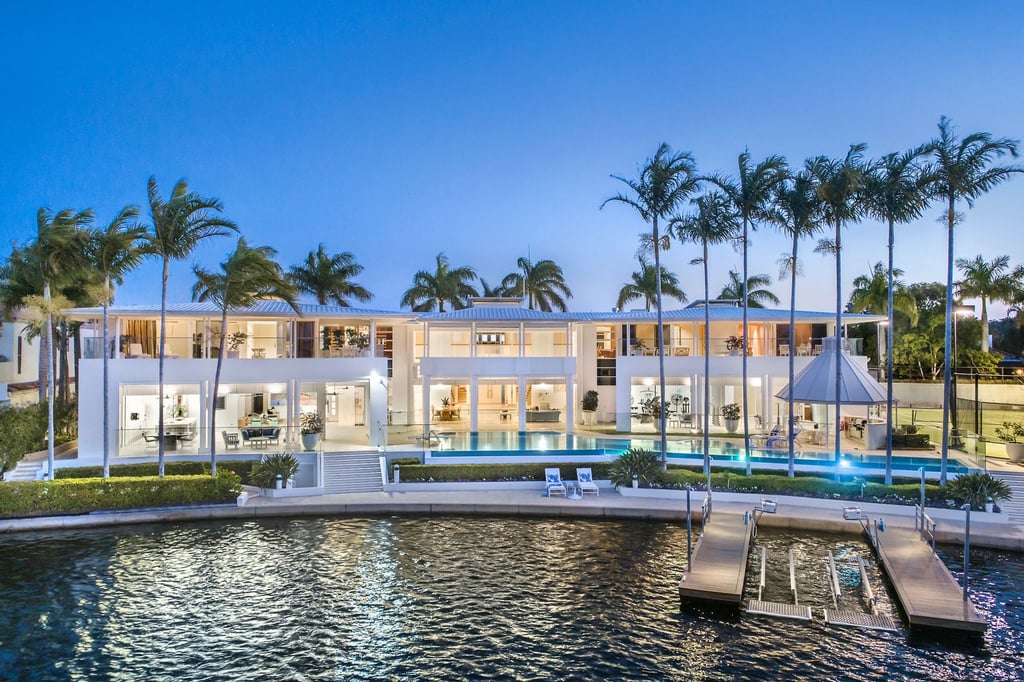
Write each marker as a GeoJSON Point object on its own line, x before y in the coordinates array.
{"type": "Point", "coordinates": [494, 366]}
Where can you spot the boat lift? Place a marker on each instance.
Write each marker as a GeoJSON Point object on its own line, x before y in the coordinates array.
{"type": "Point", "coordinates": [871, 620]}
{"type": "Point", "coordinates": [778, 609]}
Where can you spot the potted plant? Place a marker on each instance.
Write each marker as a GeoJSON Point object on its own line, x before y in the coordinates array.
{"type": "Point", "coordinates": [235, 341]}
{"type": "Point", "coordinates": [734, 344]}
{"type": "Point", "coordinates": [655, 407]}
{"type": "Point", "coordinates": [589, 405]}
{"type": "Point", "coordinates": [731, 415]}
{"type": "Point", "coordinates": [1012, 433]}
{"type": "Point", "coordinates": [978, 490]}
{"type": "Point", "coordinates": [311, 425]}
{"type": "Point", "coordinates": [357, 339]}
{"type": "Point", "coordinates": [266, 472]}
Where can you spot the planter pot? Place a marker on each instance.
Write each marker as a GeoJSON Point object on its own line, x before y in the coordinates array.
{"type": "Point", "coordinates": [309, 441]}
{"type": "Point", "coordinates": [731, 425]}
{"type": "Point", "coordinates": [232, 354]}
{"type": "Point", "coordinates": [1015, 452]}
{"type": "Point", "coordinates": [588, 417]}
{"type": "Point", "coordinates": [988, 507]}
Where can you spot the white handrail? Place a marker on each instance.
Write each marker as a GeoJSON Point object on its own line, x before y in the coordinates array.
{"type": "Point", "coordinates": [868, 593]}
{"type": "Point", "coordinates": [833, 581]}
{"type": "Point", "coordinates": [792, 576]}
{"type": "Point", "coordinates": [760, 587]}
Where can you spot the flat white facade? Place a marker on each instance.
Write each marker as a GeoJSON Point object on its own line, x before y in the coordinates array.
{"type": "Point", "coordinates": [492, 366]}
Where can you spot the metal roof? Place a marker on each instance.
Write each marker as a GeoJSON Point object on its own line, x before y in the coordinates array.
{"type": "Point", "coordinates": [816, 383]}
{"type": "Point", "coordinates": [261, 308]}
{"type": "Point", "coordinates": [500, 313]}
{"type": "Point", "coordinates": [726, 313]}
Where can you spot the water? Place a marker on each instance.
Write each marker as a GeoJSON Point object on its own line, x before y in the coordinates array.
{"type": "Point", "coordinates": [442, 598]}
{"type": "Point", "coordinates": [680, 451]}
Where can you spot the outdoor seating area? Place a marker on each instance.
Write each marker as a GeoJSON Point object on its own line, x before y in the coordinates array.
{"type": "Point", "coordinates": [260, 437]}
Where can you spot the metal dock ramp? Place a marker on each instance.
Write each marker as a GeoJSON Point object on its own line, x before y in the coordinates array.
{"type": "Point", "coordinates": [794, 611]}
{"type": "Point", "coordinates": [849, 617]}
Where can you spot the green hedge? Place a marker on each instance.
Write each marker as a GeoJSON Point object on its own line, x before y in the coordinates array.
{"type": "Point", "coordinates": [80, 495]}
{"type": "Point", "coordinates": [242, 468]}
{"type": "Point", "coordinates": [808, 484]}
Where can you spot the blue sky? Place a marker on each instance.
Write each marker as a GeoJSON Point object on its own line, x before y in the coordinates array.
{"type": "Point", "coordinates": [489, 130]}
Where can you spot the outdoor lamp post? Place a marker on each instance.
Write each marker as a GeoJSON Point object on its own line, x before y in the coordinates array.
{"type": "Point", "coordinates": [967, 547]}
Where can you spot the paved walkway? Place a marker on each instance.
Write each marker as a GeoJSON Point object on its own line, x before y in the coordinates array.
{"type": "Point", "coordinates": [793, 513]}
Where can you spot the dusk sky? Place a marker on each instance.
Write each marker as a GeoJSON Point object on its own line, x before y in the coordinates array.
{"type": "Point", "coordinates": [490, 130]}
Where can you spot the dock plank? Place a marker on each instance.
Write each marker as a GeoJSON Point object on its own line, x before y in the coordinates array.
{"type": "Point", "coordinates": [930, 595]}
{"type": "Point", "coordinates": [718, 566]}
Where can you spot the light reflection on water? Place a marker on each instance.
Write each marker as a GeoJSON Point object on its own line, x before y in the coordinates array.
{"type": "Point", "coordinates": [444, 598]}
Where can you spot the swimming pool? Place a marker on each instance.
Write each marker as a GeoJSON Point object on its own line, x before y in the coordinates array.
{"type": "Point", "coordinates": [504, 444]}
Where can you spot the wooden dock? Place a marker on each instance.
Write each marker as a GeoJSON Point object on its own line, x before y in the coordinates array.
{"type": "Point", "coordinates": [718, 566]}
{"type": "Point", "coordinates": [930, 595]}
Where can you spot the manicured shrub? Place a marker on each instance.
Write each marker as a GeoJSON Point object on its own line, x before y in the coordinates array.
{"type": "Point", "coordinates": [241, 468]}
{"type": "Point", "coordinates": [643, 464]}
{"type": "Point", "coordinates": [420, 473]}
{"type": "Point", "coordinates": [81, 495]}
{"type": "Point", "coordinates": [977, 489]}
{"type": "Point", "coordinates": [406, 461]}
{"type": "Point", "coordinates": [266, 471]}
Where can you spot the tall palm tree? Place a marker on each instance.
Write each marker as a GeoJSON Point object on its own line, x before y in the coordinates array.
{"type": "Point", "coordinates": [991, 281]}
{"type": "Point", "coordinates": [666, 180]}
{"type": "Point", "coordinates": [756, 290]}
{"type": "Point", "coordinates": [839, 183]}
{"type": "Point", "coordinates": [249, 274]}
{"type": "Point", "coordinates": [894, 192]}
{"type": "Point", "coordinates": [871, 293]}
{"type": "Point", "coordinates": [715, 222]}
{"type": "Point", "coordinates": [329, 277]}
{"type": "Point", "coordinates": [115, 251]}
{"type": "Point", "coordinates": [179, 225]}
{"type": "Point", "coordinates": [796, 209]}
{"type": "Point", "coordinates": [61, 251]}
{"type": "Point", "coordinates": [961, 169]}
{"type": "Point", "coordinates": [645, 286]}
{"type": "Point", "coordinates": [542, 283]}
{"type": "Point", "coordinates": [750, 193]}
{"type": "Point", "coordinates": [487, 291]}
{"type": "Point", "coordinates": [431, 290]}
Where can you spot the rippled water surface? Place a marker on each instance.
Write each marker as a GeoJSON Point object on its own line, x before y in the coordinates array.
{"type": "Point", "coordinates": [447, 598]}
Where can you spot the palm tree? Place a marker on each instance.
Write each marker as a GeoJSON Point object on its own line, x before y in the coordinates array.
{"type": "Point", "coordinates": [871, 293]}
{"type": "Point", "coordinates": [115, 251]}
{"type": "Point", "coordinates": [179, 224]}
{"type": "Point", "coordinates": [894, 192]}
{"type": "Point", "coordinates": [645, 286]}
{"type": "Point", "coordinates": [839, 184]}
{"type": "Point", "coordinates": [542, 283]}
{"type": "Point", "coordinates": [750, 194]}
{"type": "Point", "coordinates": [249, 274]}
{"type": "Point", "coordinates": [60, 251]}
{"type": "Point", "coordinates": [961, 170]}
{"type": "Point", "coordinates": [992, 281]}
{"type": "Point", "coordinates": [756, 288]}
{"type": "Point", "coordinates": [487, 291]}
{"type": "Point", "coordinates": [666, 180]}
{"type": "Point", "coordinates": [715, 222]}
{"type": "Point", "coordinates": [329, 277]}
{"type": "Point", "coordinates": [797, 211]}
{"type": "Point", "coordinates": [431, 290]}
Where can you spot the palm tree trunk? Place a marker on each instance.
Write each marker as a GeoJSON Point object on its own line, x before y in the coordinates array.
{"type": "Point", "coordinates": [984, 324]}
{"type": "Point", "coordinates": [707, 372]}
{"type": "Point", "coordinates": [106, 378]}
{"type": "Point", "coordinates": [160, 364]}
{"type": "Point", "coordinates": [49, 384]}
{"type": "Point", "coordinates": [213, 398]}
{"type": "Point", "coordinates": [946, 364]}
{"type": "Point", "coordinates": [839, 332]}
{"type": "Point", "coordinates": [888, 364]}
{"type": "Point", "coordinates": [743, 351]}
{"type": "Point", "coordinates": [791, 469]}
{"type": "Point", "coordinates": [662, 416]}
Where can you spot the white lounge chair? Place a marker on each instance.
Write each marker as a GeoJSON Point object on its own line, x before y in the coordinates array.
{"type": "Point", "coordinates": [553, 482]}
{"type": "Point", "coordinates": [585, 480]}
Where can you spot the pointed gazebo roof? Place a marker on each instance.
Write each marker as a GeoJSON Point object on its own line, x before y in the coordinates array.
{"type": "Point", "coordinates": [817, 382]}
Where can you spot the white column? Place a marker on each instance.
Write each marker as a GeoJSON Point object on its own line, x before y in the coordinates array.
{"type": "Point", "coordinates": [117, 339]}
{"type": "Point", "coordinates": [426, 407]}
{"type": "Point", "coordinates": [474, 401]}
{"type": "Point", "coordinates": [522, 348]}
{"type": "Point", "coordinates": [570, 404]}
{"type": "Point", "coordinates": [378, 411]}
{"type": "Point", "coordinates": [623, 388]}
{"type": "Point", "coordinates": [294, 408]}
{"type": "Point", "coordinates": [472, 340]}
{"type": "Point", "coordinates": [522, 401]}
{"type": "Point", "coordinates": [373, 340]}
{"type": "Point", "coordinates": [205, 401]}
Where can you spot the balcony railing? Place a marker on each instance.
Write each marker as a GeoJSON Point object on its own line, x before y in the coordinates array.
{"type": "Point", "coordinates": [252, 348]}
{"type": "Point", "coordinates": [720, 346]}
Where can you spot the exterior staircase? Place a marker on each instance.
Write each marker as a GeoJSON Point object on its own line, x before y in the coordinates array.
{"type": "Point", "coordinates": [26, 471]}
{"type": "Point", "coordinates": [1014, 508]}
{"type": "Point", "coordinates": [351, 472]}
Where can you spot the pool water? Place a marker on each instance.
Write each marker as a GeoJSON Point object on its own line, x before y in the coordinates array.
{"type": "Point", "coordinates": [682, 451]}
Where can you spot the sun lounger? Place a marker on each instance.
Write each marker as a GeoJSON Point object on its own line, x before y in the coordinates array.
{"type": "Point", "coordinates": [553, 482]}
{"type": "Point", "coordinates": [585, 481]}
